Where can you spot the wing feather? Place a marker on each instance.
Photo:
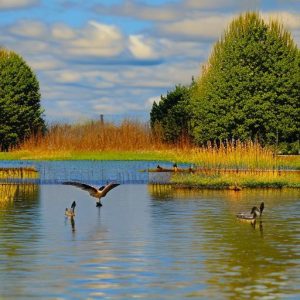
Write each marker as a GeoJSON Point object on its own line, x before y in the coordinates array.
{"type": "Point", "coordinates": [108, 187]}
{"type": "Point", "coordinates": [86, 187]}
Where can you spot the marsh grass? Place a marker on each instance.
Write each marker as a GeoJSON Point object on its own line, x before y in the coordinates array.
{"type": "Point", "coordinates": [133, 140]}
{"type": "Point", "coordinates": [18, 173]}
{"type": "Point", "coordinates": [224, 179]}
{"type": "Point", "coordinates": [94, 136]}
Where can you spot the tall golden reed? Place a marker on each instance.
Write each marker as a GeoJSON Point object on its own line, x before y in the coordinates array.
{"type": "Point", "coordinates": [135, 136]}
{"type": "Point", "coordinates": [95, 136]}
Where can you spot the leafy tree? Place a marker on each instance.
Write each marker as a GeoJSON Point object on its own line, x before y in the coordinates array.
{"type": "Point", "coordinates": [250, 87]}
{"type": "Point", "coordinates": [171, 116]}
{"type": "Point", "coordinates": [20, 110]}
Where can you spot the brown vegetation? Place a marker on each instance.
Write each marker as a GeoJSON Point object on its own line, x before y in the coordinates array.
{"type": "Point", "coordinates": [90, 140]}
{"type": "Point", "coordinates": [95, 136]}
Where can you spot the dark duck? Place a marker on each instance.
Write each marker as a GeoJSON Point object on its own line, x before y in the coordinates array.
{"type": "Point", "coordinates": [254, 213]}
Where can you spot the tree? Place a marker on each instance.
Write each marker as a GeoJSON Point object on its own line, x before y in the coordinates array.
{"type": "Point", "coordinates": [20, 110]}
{"type": "Point", "coordinates": [171, 115]}
{"type": "Point", "coordinates": [250, 87]}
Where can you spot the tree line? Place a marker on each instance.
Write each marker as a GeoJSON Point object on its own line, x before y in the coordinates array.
{"type": "Point", "coordinates": [249, 89]}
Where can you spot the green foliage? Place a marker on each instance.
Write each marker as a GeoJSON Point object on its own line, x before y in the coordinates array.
{"type": "Point", "coordinates": [171, 115]}
{"type": "Point", "coordinates": [20, 111]}
{"type": "Point", "coordinates": [250, 87]}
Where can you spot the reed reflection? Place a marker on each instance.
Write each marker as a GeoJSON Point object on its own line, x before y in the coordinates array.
{"type": "Point", "coordinates": [19, 233]}
{"type": "Point", "coordinates": [242, 260]}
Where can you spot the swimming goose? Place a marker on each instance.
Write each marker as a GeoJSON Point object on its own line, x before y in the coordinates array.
{"type": "Point", "coordinates": [93, 191]}
{"type": "Point", "coordinates": [255, 212]}
{"type": "Point", "coordinates": [70, 212]}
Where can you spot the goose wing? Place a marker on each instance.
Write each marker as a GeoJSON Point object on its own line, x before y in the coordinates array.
{"type": "Point", "coordinates": [108, 187]}
{"type": "Point", "coordinates": [244, 216]}
{"type": "Point", "coordinates": [86, 187]}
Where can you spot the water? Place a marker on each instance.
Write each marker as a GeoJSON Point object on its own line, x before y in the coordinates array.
{"type": "Point", "coordinates": [93, 171]}
{"type": "Point", "coordinates": [149, 242]}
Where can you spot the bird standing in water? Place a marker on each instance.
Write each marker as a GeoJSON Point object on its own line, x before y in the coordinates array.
{"type": "Point", "coordinates": [93, 191]}
{"type": "Point", "coordinates": [70, 212]}
{"type": "Point", "coordinates": [255, 212]}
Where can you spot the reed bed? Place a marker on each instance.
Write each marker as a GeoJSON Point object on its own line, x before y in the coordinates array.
{"type": "Point", "coordinates": [133, 140]}
{"type": "Point", "coordinates": [19, 173]}
{"type": "Point", "coordinates": [95, 136]}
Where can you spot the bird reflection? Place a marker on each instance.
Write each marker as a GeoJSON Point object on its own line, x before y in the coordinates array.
{"type": "Point", "coordinates": [72, 221]}
{"type": "Point", "coordinates": [258, 224]}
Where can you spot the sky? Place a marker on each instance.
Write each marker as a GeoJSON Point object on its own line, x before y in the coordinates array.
{"type": "Point", "coordinates": [115, 57]}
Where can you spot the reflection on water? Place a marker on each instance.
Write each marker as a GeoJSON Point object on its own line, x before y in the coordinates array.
{"type": "Point", "coordinates": [19, 234]}
{"type": "Point", "coordinates": [150, 242]}
{"type": "Point", "coordinates": [242, 260]}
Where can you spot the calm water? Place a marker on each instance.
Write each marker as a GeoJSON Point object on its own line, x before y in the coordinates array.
{"type": "Point", "coordinates": [148, 242]}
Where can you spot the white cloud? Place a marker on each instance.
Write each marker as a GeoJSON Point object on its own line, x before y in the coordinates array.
{"type": "Point", "coordinates": [142, 11]}
{"type": "Point", "coordinates": [103, 108]}
{"type": "Point", "coordinates": [13, 4]}
{"type": "Point", "coordinates": [62, 32]}
{"type": "Point", "coordinates": [201, 26]}
{"type": "Point", "coordinates": [290, 20]}
{"type": "Point", "coordinates": [96, 39]}
{"type": "Point", "coordinates": [140, 47]}
{"type": "Point", "coordinates": [68, 77]}
{"type": "Point", "coordinates": [149, 102]}
{"type": "Point", "coordinates": [44, 63]}
{"type": "Point", "coordinates": [29, 29]}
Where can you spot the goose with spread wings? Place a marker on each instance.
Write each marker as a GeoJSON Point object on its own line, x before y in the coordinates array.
{"type": "Point", "coordinates": [93, 191]}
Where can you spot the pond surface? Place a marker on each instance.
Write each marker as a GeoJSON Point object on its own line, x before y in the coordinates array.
{"type": "Point", "coordinates": [93, 171]}
{"type": "Point", "coordinates": [147, 241]}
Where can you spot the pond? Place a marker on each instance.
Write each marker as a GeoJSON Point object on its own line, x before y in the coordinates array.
{"type": "Point", "coordinates": [147, 241]}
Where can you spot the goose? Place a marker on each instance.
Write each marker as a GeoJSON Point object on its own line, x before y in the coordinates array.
{"type": "Point", "coordinates": [70, 212]}
{"type": "Point", "coordinates": [255, 212]}
{"type": "Point", "coordinates": [93, 191]}
{"type": "Point", "coordinates": [159, 168]}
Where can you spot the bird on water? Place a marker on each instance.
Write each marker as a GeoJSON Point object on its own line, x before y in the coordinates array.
{"type": "Point", "coordinates": [93, 191]}
{"type": "Point", "coordinates": [70, 212]}
{"type": "Point", "coordinates": [255, 212]}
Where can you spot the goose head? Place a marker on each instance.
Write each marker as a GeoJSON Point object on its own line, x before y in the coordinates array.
{"type": "Point", "coordinates": [255, 212]}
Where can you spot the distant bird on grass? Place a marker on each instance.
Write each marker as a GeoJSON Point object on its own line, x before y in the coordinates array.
{"type": "Point", "coordinates": [255, 212]}
{"type": "Point", "coordinates": [70, 212]}
{"type": "Point", "coordinates": [93, 191]}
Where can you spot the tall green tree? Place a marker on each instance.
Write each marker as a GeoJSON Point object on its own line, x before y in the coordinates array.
{"type": "Point", "coordinates": [20, 109]}
{"type": "Point", "coordinates": [171, 115]}
{"type": "Point", "coordinates": [250, 87]}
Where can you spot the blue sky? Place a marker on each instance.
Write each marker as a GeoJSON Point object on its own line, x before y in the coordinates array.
{"type": "Point", "coordinates": [116, 57]}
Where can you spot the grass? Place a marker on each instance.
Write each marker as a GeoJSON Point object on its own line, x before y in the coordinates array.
{"type": "Point", "coordinates": [9, 173]}
{"type": "Point", "coordinates": [132, 140]}
{"type": "Point", "coordinates": [239, 180]}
